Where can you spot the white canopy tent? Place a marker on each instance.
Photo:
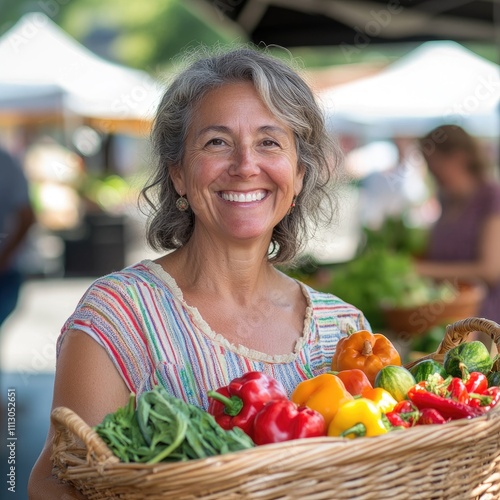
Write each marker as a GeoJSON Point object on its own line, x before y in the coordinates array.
{"type": "Point", "coordinates": [30, 97]}
{"type": "Point", "coordinates": [437, 83]}
{"type": "Point", "coordinates": [37, 57]}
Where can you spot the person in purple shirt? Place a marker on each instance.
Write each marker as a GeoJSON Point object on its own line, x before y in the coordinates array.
{"type": "Point", "coordinates": [464, 243]}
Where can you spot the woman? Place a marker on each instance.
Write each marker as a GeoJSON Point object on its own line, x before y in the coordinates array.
{"type": "Point", "coordinates": [243, 159]}
{"type": "Point", "coordinates": [465, 241]}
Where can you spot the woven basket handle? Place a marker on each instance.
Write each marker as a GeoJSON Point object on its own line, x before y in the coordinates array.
{"type": "Point", "coordinates": [66, 421]}
{"type": "Point", "coordinates": [457, 333]}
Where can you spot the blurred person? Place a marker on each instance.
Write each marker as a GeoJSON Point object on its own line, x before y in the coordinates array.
{"type": "Point", "coordinates": [243, 161]}
{"type": "Point", "coordinates": [464, 243]}
{"type": "Point", "coordinates": [16, 218]}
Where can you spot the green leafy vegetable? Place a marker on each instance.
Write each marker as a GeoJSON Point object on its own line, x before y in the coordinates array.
{"type": "Point", "coordinates": [165, 428]}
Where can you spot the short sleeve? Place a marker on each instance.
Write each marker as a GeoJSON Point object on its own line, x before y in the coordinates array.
{"type": "Point", "coordinates": [108, 313]}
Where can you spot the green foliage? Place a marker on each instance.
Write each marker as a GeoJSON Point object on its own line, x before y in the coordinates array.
{"type": "Point", "coordinates": [375, 276]}
{"type": "Point", "coordinates": [398, 236]}
{"type": "Point", "coordinates": [429, 341]}
{"type": "Point", "coordinates": [146, 35]}
{"type": "Point", "coordinates": [382, 275]}
{"type": "Point", "coordinates": [165, 428]}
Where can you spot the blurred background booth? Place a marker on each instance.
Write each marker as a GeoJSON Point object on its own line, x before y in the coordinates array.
{"type": "Point", "coordinates": [73, 119]}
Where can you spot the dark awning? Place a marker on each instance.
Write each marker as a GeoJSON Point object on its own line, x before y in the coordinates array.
{"type": "Point", "coordinates": [293, 23]}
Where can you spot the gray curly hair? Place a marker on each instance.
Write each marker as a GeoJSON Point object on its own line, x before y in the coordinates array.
{"type": "Point", "coordinates": [286, 95]}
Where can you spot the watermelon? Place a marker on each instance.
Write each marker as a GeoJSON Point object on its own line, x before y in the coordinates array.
{"type": "Point", "coordinates": [426, 367]}
{"type": "Point", "coordinates": [493, 379]}
{"type": "Point", "coordinates": [396, 380]}
{"type": "Point", "coordinates": [474, 355]}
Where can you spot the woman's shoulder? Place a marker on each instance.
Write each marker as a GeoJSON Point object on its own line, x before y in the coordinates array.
{"type": "Point", "coordinates": [329, 306]}
{"type": "Point", "coordinates": [124, 281]}
{"type": "Point", "coordinates": [138, 273]}
{"type": "Point", "coordinates": [325, 299]}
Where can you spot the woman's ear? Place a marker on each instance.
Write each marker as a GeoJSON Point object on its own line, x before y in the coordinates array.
{"type": "Point", "coordinates": [176, 174]}
{"type": "Point", "coordinates": [299, 179]}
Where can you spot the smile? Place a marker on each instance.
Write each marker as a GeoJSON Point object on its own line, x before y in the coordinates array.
{"type": "Point", "coordinates": [243, 197]}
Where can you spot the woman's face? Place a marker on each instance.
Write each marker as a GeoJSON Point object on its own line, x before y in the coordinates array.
{"type": "Point", "coordinates": [240, 167]}
{"type": "Point", "coordinates": [451, 171]}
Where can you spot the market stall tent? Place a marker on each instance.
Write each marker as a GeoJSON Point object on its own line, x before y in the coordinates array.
{"type": "Point", "coordinates": [439, 82]}
{"type": "Point", "coordinates": [36, 54]}
{"type": "Point", "coordinates": [356, 23]}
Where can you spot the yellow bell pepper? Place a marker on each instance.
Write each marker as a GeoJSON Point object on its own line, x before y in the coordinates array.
{"type": "Point", "coordinates": [324, 393]}
{"type": "Point", "coordinates": [360, 417]}
{"type": "Point", "coordinates": [382, 398]}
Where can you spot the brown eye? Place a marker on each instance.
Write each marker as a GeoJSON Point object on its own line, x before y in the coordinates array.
{"type": "Point", "coordinates": [215, 142]}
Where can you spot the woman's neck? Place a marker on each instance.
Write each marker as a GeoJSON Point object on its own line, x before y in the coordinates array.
{"type": "Point", "coordinates": [236, 272]}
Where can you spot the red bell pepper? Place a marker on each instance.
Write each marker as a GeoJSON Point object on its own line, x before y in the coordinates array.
{"type": "Point", "coordinates": [283, 420]}
{"type": "Point", "coordinates": [236, 404]}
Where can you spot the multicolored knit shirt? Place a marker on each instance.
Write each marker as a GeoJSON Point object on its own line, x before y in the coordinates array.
{"type": "Point", "coordinates": [138, 315]}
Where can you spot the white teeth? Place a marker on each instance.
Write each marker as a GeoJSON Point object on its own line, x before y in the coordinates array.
{"type": "Point", "coordinates": [242, 197]}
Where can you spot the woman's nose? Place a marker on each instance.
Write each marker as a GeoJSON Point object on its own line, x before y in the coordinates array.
{"type": "Point", "coordinates": [244, 162]}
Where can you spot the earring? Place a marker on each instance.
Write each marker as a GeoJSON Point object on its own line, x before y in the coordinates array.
{"type": "Point", "coordinates": [182, 204]}
{"type": "Point", "coordinates": [292, 206]}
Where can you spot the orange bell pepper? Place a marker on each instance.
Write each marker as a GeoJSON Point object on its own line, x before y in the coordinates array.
{"type": "Point", "coordinates": [324, 393]}
{"type": "Point", "coordinates": [355, 380]}
{"type": "Point", "coordinates": [367, 351]}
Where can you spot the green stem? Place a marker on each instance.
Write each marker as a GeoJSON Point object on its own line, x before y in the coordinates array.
{"type": "Point", "coordinates": [359, 430]}
{"type": "Point", "coordinates": [232, 405]}
{"type": "Point", "coordinates": [464, 371]}
{"type": "Point", "coordinates": [182, 425]}
{"type": "Point", "coordinates": [484, 399]}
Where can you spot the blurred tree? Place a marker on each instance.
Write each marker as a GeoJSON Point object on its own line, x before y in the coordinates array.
{"type": "Point", "coordinates": [145, 35]}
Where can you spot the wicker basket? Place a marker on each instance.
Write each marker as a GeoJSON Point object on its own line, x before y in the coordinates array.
{"type": "Point", "coordinates": [458, 460]}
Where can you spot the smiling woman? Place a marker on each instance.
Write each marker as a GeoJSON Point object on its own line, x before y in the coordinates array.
{"type": "Point", "coordinates": [243, 162]}
{"type": "Point", "coordinates": [292, 108]}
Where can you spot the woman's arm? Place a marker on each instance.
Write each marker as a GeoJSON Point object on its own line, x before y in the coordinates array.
{"type": "Point", "coordinates": [486, 268]}
{"type": "Point", "coordinates": [88, 383]}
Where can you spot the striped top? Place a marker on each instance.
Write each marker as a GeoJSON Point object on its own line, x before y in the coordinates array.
{"type": "Point", "coordinates": [138, 315]}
